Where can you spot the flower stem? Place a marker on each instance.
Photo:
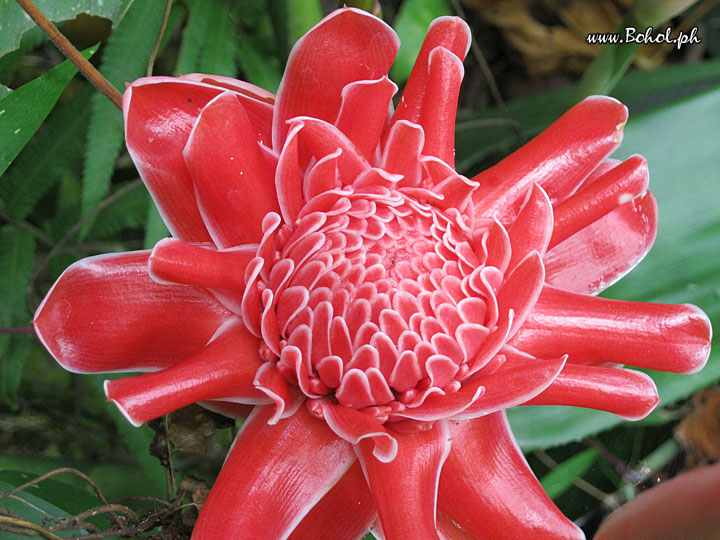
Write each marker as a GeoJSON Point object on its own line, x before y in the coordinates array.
{"type": "Point", "coordinates": [67, 48]}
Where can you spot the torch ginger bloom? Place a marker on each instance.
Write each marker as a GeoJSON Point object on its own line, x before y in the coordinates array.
{"type": "Point", "coordinates": [378, 310]}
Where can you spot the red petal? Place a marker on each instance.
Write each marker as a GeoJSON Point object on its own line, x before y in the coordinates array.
{"type": "Point", "coordinates": [405, 490]}
{"type": "Point", "coordinates": [346, 46]}
{"type": "Point", "coordinates": [159, 114]}
{"type": "Point", "coordinates": [449, 530]}
{"type": "Point", "coordinates": [288, 181]}
{"type": "Point", "coordinates": [521, 289]}
{"type": "Point", "coordinates": [174, 261]}
{"type": "Point", "coordinates": [437, 117]}
{"type": "Point", "coordinates": [347, 511]}
{"type": "Point", "coordinates": [258, 103]}
{"type": "Point", "coordinates": [402, 152]}
{"type": "Point", "coordinates": [591, 329]}
{"type": "Point", "coordinates": [364, 113]}
{"type": "Point", "coordinates": [487, 487]}
{"type": "Point", "coordinates": [533, 227]}
{"type": "Point", "coordinates": [509, 387]}
{"type": "Point", "coordinates": [682, 508]}
{"type": "Point", "coordinates": [354, 427]}
{"type": "Point", "coordinates": [558, 159]}
{"type": "Point", "coordinates": [614, 188]}
{"type": "Point", "coordinates": [453, 34]}
{"type": "Point", "coordinates": [627, 393]}
{"type": "Point", "coordinates": [106, 314]}
{"type": "Point", "coordinates": [223, 369]}
{"type": "Point", "coordinates": [597, 256]}
{"type": "Point", "coordinates": [234, 182]}
{"type": "Point", "coordinates": [274, 474]}
{"type": "Point", "coordinates": [324, 139]}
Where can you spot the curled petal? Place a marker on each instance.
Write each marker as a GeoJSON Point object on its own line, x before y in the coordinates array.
{"type": "Point", "coordinates": [509, 387]}
{"type": "Point", "coordinates": [591, 329]}
{"type": "Point", "coordinates": [451, 33]}
{"type": "Point", "coordinates": [288, 182]}
{"type": "Point", "coordinates": [347, 46]}
{"type": "Point", "coordinates": [223, 369]}
{"type": "Point", "coordinates": [597, 256]}
{"type": "Point", "coordinates": [405, 489]}
{"type": "Point", "coordinates": [477, 492]}
{"type": "Point", "coordinates": [614, 188]}
{"type": "Point", "coordinates": [231, 176]}
{"type": "Point", "coordinates": [364, 113]}
{"type": "Point", "coordinates": [105, 314]}
{"type": "Point", "coordinates": [533, 227]}
{"type": "Point", "coordinates": [558, 159]}
{"type": "Point", "coordinates": [402, 152]}
{"type": "Point", "coordinates": [354, 426]}
{"type": "Point", "coordinates": [627, 393]}
{"type": "Point", "coordinates": [437, 117]}
{"type": "Point", "coordinates": [272, 477]}
{"type": "Point", "coordinates": [174, 261]}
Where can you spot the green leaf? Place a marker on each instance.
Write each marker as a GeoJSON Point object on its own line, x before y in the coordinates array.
{"type": "Point", "coordinates": [125, 59]}
{"type": "Point", "coordinates": [557, 481]}
{"type": "Point", "coordinates": [32, 509]}
{"type": "Point", "coordinates": [137, 440]}
{"type": "Point", "coordinates": [219, 53]}
{"type": "Point", "coordinates": [127, 211]}
{"type": "Point", "coordinates": [42, 162]}
{"type": "Point", "coordinates": [155, 228]}
{"type": "Point", "coordinates": [411, 25]}
{"type": "Point", "coordinates": [196, 29]}
{"type": "Point", "coordinates": [681, 267]}
{"type": "Point", "coordinates": [302, 15]}
{"type": "Point", "coordinates": [66, 497]}
{"type": "Point", "coordinates": [24, 110]}
{"type": "Point", "coordinates": [17, 251]}
{"type": "Point", "coordinates": [14, 22]}
{"type": "Point", "coordinates": [258, 68]}
{"type": "Point", "coordinates": [608, 67]}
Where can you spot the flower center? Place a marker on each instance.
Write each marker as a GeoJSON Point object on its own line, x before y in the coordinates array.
{"type": "Point", "coordinates": [375, 299]}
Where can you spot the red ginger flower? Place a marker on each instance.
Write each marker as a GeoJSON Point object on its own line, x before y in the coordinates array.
{"type": "Point", "coordinates": [379, 310]}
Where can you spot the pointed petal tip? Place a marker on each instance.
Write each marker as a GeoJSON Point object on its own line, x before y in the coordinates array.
{"type": "Point", "coordinates": [108, 390]}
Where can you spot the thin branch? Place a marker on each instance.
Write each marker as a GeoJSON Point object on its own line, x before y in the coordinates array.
{"type": "Point", "coordinates": [69, 50]}
{"type": "Point", "coordinates": [154, 52]}
{"type": "Point", "coordinates": [25, 528]}
{"type": "Point", "coordinates": [39, 234]}
{"type": "Point", "coordinates": [17, 330]}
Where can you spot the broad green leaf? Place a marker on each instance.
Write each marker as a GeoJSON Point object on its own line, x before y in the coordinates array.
{"type": "Point", "coordinates": [155, 228]}
{"type": "Point", "coordinates": [488, 132]}
{"type": "Point", "coordinates": [24, 110]}
{"type": "Point", "coordinates": [124, 59]}
{"type": "Point", "coordinates": [411, 25]}
{"type": "Point", "coordinates": [680, 143]}
{"type": "Point", "coordinates": [4, 91]}
{"type": "Point", "coordinates": [17, 250]}
{"type": "Point", "coordinates": [557, 481]}
{"type": "Point", "coordinates": [14, 22]}
{"type": "Point", "coordinates": [219, 51]}
{"type": "Point", "coordinates": [32, 509]}
{"type": "Point", "coordinates": [67, 497]}
{"type": "Point", "coordinates": [41, 163]}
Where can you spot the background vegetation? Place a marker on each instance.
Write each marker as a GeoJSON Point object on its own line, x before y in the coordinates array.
{"type": "Point", "coordinates": [69, 190]}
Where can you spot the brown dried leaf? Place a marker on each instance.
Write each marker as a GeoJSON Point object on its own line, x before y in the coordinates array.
{"type": "Point", "coordinates": [699, 432]}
